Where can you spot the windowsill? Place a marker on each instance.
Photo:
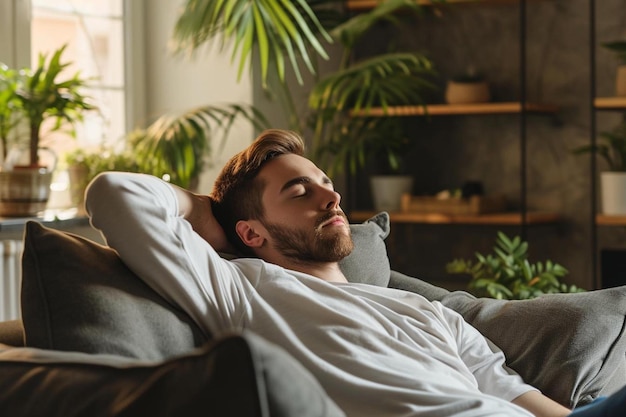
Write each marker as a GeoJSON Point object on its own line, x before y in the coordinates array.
{"type": "Point", "coordinates": [64, 217]}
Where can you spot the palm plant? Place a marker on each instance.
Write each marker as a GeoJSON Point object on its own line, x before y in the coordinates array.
{"type": "Point", "coordinates": [41, 95]}
{"type": "Point", "coordinates": [177, 146]}
{"type": "Point", "coordinates": [293, 29]}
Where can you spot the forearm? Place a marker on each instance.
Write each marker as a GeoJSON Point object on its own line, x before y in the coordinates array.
{"type": "Point", "coordinates": [540, 405]}
{"type": "Point", "coordinates": [197, 210]}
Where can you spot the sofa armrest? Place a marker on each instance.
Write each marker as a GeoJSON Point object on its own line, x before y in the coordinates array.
{"type": "Point", "coordinates": [12, 333]}
{"type": "Point", "coordinates": [404, 282]}
{"type": "Point", "coordinates": [570, 346]}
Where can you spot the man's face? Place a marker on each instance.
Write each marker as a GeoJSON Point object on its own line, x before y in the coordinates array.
{"type": "Point", "coordinates": [302, 215]}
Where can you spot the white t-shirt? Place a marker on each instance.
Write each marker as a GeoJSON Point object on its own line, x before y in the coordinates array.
{"type": "Point", "coordinates": [376, 351]}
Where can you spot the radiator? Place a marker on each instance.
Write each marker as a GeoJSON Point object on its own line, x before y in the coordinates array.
{"type": "Point", "coordinates": [10, 270]}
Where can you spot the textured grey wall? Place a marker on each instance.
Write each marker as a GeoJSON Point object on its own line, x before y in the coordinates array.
{"type": "Point", "coordinates": [454, 149]}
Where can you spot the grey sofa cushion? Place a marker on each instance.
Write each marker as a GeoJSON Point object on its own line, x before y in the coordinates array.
{"type": "Point", "coordinates": [368, 263]}
{"type": "Point", "coordinates": [238, 375]}
{"type": "Point", "coordinates": [570, 346]}
{"type": "Point", "coordinates": [77, 295]}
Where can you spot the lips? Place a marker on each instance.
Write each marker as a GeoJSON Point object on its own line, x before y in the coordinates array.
{"type": "Point", "coordinates": [332, 220]}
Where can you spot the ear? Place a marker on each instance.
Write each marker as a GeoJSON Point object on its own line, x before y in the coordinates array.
{"type": "Point", "coordinates": [248, 234]}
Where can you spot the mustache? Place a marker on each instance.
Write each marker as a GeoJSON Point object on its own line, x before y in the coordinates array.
{"type": "Point", "coordinates": [329, 216]}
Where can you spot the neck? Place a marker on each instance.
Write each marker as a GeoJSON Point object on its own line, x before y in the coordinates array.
{"type": "Point", "coordinates": [327, 271]}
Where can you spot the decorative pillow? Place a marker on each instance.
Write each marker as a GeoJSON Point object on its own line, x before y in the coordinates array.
{"type": "Point", "coordinates": [266, 380]}
{"type": "Point", "coordinates": [77, 295]}
{"type": "Point", "coordinates": [368, 263]}
{"type": "Point", "coordinates": [570, 346]}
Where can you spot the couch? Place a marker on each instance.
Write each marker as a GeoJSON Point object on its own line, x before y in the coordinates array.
{"type": "Point", "coordinates": [94, 340]}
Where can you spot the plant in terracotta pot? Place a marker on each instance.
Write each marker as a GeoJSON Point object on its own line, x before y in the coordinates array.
{"type": "Point", "coordinates": [38, 95]}
{"type": "Point", "coordinates": [611, 147]}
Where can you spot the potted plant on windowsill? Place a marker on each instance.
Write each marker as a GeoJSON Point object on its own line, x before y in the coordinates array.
{"type": "Point", "coordinates": [174, 147]}
{"type": "Point", "coordinates": [37, 95]}
{"type": "Point", "coordinates": [611, 147]}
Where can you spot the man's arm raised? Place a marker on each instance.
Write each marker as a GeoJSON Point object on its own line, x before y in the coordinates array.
{"type": "Point", "coordinates": [197, 210]}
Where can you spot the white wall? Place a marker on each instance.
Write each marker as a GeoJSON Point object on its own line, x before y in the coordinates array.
{"type": "Point", "coordinates": [176, 83]}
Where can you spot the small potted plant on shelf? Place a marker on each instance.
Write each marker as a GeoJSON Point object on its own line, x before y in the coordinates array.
{"type": "Point", "coordinates": [470, 87]}
{"type": "Point", "coordinates": [508, 274]}
{"type": "Point", "coordinates": [619, 49]}
{"type": "Point", "coordinates": [37, 95]}
{"type": "Point", "coordinates": [611, 147]}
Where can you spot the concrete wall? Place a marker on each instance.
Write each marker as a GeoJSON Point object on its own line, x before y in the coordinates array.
{"type": "Point", "coordinates": [453, 149]}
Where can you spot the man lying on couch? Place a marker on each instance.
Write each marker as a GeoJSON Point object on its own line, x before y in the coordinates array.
{"type": "Point", "coordinates": [376, 351]}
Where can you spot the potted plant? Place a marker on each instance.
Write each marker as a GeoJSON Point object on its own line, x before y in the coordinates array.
{"type": "Point", "coordinates": [36, 96]}
{"type": "Point", "coordinates": [508, 274]}
{"type": "Point", "coordinates": [174, 147]}
{"type": "Point", "coordinates": [619, 49]}
{"type": "Point", "coordinates": [611, 147]}
{"type": "Point", "coordinates": [470, 87]}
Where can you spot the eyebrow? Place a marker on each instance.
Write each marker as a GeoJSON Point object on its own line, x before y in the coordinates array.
{"type": "Point", "coordinates": [302, 180]}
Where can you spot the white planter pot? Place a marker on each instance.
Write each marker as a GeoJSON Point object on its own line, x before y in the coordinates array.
{"type": "Point", "coordinates": [387, 191]}
{"type": "Point", "coordinates": [613, 192]}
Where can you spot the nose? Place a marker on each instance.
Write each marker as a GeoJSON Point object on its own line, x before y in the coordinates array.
{"type": "Point", "coordinates": [331, 199]}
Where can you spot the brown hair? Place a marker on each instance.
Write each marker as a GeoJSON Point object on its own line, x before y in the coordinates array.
{"type": "Point", "coordinates": [237, 191]}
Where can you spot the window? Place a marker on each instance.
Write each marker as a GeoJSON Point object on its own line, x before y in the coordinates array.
{"type": "Point", "coordinates": [93, 31]}
{"type": "Point", "coordinates": [104, 41]}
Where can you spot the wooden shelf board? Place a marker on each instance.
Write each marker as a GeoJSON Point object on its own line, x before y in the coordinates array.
{"type": "Point", "coordinates": [458, 109]}
{"type": "Point", "coordinates": [370, 4]}
{"type": "Point", "coordinates": [610, 103]}
{"type": "Point", "coordinates": [606, 220]}
{"type": "Point", "coordinates": [509, 218]}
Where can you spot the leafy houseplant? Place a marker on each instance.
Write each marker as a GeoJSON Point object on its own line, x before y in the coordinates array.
{"type": "Point", "coordinates": [173, 147]}
{"type": "Point", "coordinates": [508, 274]}
{"type": "Point", "coordinates": [31, 97]}
{"type": "Point", "coordinates": [611, 147]}
{"type": "Point", "coordinates": [41, 96]}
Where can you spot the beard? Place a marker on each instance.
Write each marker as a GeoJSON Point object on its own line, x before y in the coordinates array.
{"type": "Point", "coordinates": [310, 246]}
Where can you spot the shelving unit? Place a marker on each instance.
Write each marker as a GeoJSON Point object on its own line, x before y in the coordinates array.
{"type": "Point", "coordinates": [599, 104]}
{"type": "Point", "coordinates": [521, 108]}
